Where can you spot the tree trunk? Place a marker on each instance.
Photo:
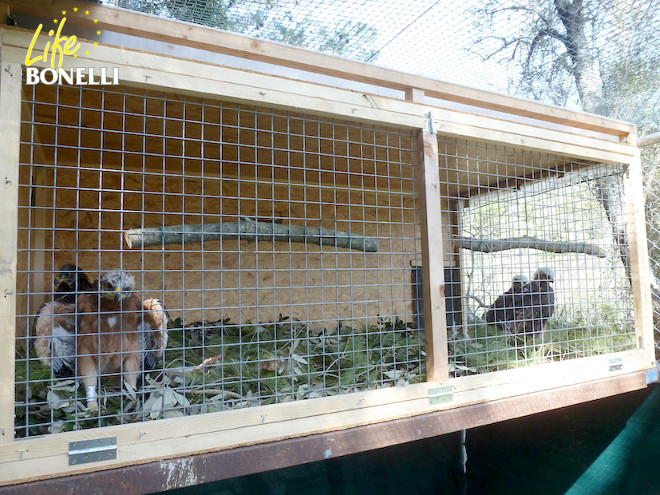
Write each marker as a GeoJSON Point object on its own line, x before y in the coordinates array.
{"type": "Point", "coordinates": [585, 69]}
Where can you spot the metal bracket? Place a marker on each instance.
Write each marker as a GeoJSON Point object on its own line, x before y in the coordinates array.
{"type": "Point", "coordinates": [431, 124]}
{"type": "Point", "coordinates": [98, 449]}
{"type": "Point", "coordinates": [441, 394]}
{"type": "Point", "coordinates": [615, 364]}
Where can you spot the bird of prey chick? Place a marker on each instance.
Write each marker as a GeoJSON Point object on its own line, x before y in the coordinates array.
{"type": "Point", "coordinates": [108, 338]}
{"type": "Point", "coordinates": [504, 310]}
{"type": "Point", "coordinates": [538, 303]}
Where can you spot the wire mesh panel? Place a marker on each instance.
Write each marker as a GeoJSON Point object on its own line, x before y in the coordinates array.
{"type": "Point", "coordinates": [544, 269]}
{"type": "Point", "coordinates": [650, 161]}
{"type": "Point", "coordinates": [180, 256]}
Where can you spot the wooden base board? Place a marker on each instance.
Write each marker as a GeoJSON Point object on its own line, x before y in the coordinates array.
{"type": "Point", "coordinates": [215, 466]}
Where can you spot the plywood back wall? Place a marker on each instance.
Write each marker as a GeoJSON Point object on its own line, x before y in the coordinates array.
{"type": "Point", "coordinates": [243, 281]}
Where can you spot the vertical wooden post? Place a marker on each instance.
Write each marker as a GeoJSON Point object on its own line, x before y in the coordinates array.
{"type": "Point", "coordinates": [639, 257]}
{"type": "Point", "coordinates": [437, 368]}
{"type": "Point", "coordinates": [10, 125]}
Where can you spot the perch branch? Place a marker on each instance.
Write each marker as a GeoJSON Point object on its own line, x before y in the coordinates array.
{"type": "Point", "coordinates": [527, 242]}
{"type": "Point", "coordinates": [247, 230]}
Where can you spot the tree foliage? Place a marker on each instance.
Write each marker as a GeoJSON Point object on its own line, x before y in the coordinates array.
{"type": "Point", "coordinates": [600, 55]}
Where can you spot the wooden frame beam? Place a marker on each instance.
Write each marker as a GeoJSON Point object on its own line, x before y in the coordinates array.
{"type": "Point", "coordinates": [437, 362]}
{"type": "Point", "coordinates": [640, 271]}
{"type": "Point", "coordinates": [196, 36]}
{"type": "Point", "coordinates": [216, 466]}
{"type": "Point", "coordinates": [10, 126]}
{"type": "Point", "coordinates": [140, 69]}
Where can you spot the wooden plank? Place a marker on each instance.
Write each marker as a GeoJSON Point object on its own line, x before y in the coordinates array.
{"type": "Point", "coordinates": [415, 95]}
{"type": "Point", "coordinates": [467, 389]}
{"type": "Point", "coordinates": [437, 367]}
{"type": "Point", "coordinates": [10, 125]}
{"type": "Point", "coordinates": [193, 35]}
{"type": "Point", "coordinates": [47, 456]}
{"type": "Point", "coordinates": [639, 258]}
{"type": "Point", "coordinates": [264, 86]}
{"type": "Point", "coordinates": [215, 466]}
{"type": "Point", "coordinates": [30, 468]}
{"type": "Point", "coordinates": [149, 70]}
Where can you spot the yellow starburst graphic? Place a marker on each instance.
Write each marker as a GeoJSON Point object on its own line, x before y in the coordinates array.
{"type": "Point", "coordinates": [82, 14]}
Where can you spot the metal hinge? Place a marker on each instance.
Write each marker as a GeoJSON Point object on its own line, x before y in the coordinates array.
{"type": "Point", "coordinates": [441, 394]}
{"type": "Point", "coordinates": [98, 449]}
{"type": "Point", "coordinates": [431, 124]}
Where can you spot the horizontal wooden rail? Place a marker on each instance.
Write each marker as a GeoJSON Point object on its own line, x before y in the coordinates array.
{"type": "Point", "coordinates": [214, 466]}
{"type": "Point", "coordinates": [196, 36]}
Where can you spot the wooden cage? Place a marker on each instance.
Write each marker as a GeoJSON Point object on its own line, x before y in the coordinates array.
{"type": "Point", "coordinates": [432, 174]}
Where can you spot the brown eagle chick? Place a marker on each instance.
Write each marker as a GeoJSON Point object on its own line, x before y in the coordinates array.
{"type": "Point", "coordinates": [108, 337]}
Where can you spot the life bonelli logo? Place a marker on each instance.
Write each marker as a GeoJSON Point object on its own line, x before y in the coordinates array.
{"type": "Point", "coordinates": [56, 48]}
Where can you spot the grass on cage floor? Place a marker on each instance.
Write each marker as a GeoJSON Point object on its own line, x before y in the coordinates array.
{"type": "Point", "coordinates": [485, 348]}
{"type": "Point", "coordinates": [286, 361]}
{"type": "Point", "coordinates": [259, 364]}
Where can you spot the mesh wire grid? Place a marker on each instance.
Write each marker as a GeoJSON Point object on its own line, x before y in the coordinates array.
{"type": "Point", "coordinates": [279, 320]}
{"type": "Point", "coordinates": [252, 320]}
{"type": "Point", "coordinates": [510, 213]}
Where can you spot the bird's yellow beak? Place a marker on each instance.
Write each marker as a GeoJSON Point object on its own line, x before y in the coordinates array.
{"type": "Point", "coordinates": [119, 294]}
{"type": "Point", "coordinates": [59, 279]}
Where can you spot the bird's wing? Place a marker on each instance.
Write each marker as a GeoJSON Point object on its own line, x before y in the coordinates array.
{"type": "Point", "coordinates": [63, 350]}
{"type": "Point", "coordinates": [55, 341]}
{"type": "Point", "coordinates": [492, 314]}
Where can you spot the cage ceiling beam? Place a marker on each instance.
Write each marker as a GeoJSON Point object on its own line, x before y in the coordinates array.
{"type": "Point", "coordinates": [196, 36]}
{"type": "Point", "coordinates": [207, 80]}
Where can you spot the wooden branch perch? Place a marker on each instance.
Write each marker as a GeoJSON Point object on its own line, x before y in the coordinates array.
{"type": "Point", "coordinates": [247, 230]}
{"type": "Point", "coordinates": [527, 242]}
